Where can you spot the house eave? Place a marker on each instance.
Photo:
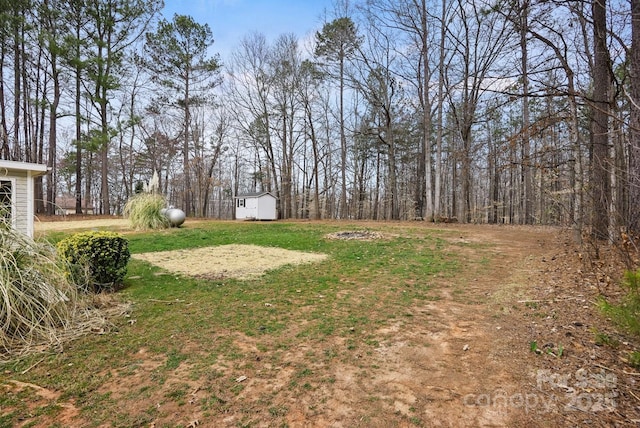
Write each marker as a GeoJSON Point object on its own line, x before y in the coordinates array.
{"type": "Point", "coordinates": [33, 169]}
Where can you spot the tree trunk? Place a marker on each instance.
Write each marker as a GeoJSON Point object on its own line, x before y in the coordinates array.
{"type": "Point", "coordinates": [527, 178]}
{"type": "Point", "coordinates": [185, 153]}
{"type": "Point", "coordinates": [17, 89]}
{"type": "Point", "coordinates": [78, 123]}
{"type": "Point", "coordinates": [620, 176]}
{"type": "Point", "coordinates": [53, 120]}
{"type": "Point", "coordinates": [393, 180]}
{"type": "Point", "coordinates": [426, 111]}
{"type": "Point", "coordinates": [51, 27]}
{"type": "Point", "coordinates": [316, 161]}
{"type": "Point", "coordinates": [633, 219]}
{"type": "Point", "coordinates": [440, 125]}
{"type": "Point", "coordinates": [343, 146]}
{"type": "Point", "coordinates": [104, 154]}
{"type": "Point", "coordinates": [600, 178]}
{"type": "Point", "coordinates": [77, 71]}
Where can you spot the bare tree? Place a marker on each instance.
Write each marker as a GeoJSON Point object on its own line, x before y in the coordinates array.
{"type": "Point", "coordinates": [527, 168]}
{"type": "Point", "coordinates": [600, 163]}
{"type": "Point", "coordinates": [336, 43]}
{"type": "Point", "coordinates": [554, 40]}
{"type": "Point", "coordinates": [377, 84]}
{"type": "Point", "coordinates": [412, 19]}
{"type": "Point", "coordinates": [285, 68]}
{"type": "Point", "coordinates": [479, 40]}
{"type": "Point", "coordinates": [634, 149]}
{"type": "Point", "coordinates": [250, 94]}
{"type": "Point", "coordinates": [310, 78]}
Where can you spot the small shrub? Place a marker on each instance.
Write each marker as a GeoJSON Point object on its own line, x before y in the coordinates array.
{"type": "Point", "coordinates": [97, 260]}
{"type": "Point", "coordinates": [145, 211]}
{"type": "Point", "coordinates": [37, 301]}
{"type": "Point", "coordinates": [627, 313]}
{"type": "Point", "coordinates": [632, 282]}
{"type": "Point", "coordinates": [602, 339]}
{"type": "Point", "coordinates": [634, 359]}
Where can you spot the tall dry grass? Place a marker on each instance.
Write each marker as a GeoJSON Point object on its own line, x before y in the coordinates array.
{"type": "Point", "coordinates": [37, 301]}
{"type": "Point", "coordinates": [145, 211]}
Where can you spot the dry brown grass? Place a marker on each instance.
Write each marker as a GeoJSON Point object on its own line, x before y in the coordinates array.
{"type": "Point", "coordinates": [235, 261]}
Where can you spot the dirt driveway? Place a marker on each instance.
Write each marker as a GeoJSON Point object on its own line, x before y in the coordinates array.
{"type": "Point", "coordinates": [469, 359]}
{"type": "Point", "coordinates": [518, 348]}
{"type": "Point", "coordinates": [510, 343]}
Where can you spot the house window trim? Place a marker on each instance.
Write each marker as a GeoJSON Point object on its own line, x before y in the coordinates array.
{"type": "Point", "coordinates": [12, 180]}
{"type": "Point", "coordinates": [242, 203]}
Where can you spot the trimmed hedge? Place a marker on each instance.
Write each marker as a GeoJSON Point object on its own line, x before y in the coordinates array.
{"type": "Point", "coordinates": [97, 260]}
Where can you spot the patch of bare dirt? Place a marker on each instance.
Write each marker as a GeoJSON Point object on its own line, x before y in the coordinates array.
{"type": "Point", "coordinates": [361, 235]}
{"type": "Point", "coordinates": [542, 331]}
{"type": "Point", "coordinates": [227, 261]}
{"type": "Point", "coordinates": [68, 414]}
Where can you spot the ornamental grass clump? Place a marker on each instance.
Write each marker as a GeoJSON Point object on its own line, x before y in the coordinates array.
{"type": "Point", "coordinates": [145, 211]}
{"type": "Point", "coordinates": [37, 300]}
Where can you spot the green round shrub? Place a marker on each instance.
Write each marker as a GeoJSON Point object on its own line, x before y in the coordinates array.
{"type": "Point", "coordinates": [97, 260]}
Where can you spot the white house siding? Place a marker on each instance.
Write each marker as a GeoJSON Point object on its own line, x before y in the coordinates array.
{"type": "Point", "coordinates": [21, 175]}
{"type": "Point", "coordinates": [21, 212]}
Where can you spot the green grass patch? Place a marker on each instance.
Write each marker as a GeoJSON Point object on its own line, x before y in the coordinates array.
{"type": "Point", "coordinates": [214, 331]}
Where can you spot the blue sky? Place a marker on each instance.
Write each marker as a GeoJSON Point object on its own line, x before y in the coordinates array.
{"type": "Point", "coordinates": [231, 20]}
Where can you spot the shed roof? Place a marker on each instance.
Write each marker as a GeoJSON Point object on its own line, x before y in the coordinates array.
{"type": "Point", "coordinates": [254, 195]}
{"type": "Point", "coordinates": [36, 169]}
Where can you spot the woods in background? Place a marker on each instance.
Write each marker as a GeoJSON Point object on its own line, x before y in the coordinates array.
{"type": "Point", "coordinates": [493, 111]}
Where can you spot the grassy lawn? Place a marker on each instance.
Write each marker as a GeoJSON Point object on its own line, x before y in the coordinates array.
{"type": "Point", "coordinates": [207, 332]}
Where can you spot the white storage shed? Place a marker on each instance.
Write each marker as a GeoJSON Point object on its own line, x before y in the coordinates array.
{"type": "Point", "coordinates": [256, 206]}
{"type": "Point", "coordinates": [17, 184]}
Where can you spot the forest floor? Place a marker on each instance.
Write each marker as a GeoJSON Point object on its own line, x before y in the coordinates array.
{"type": "Point", "coordinates": [519, 341]}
